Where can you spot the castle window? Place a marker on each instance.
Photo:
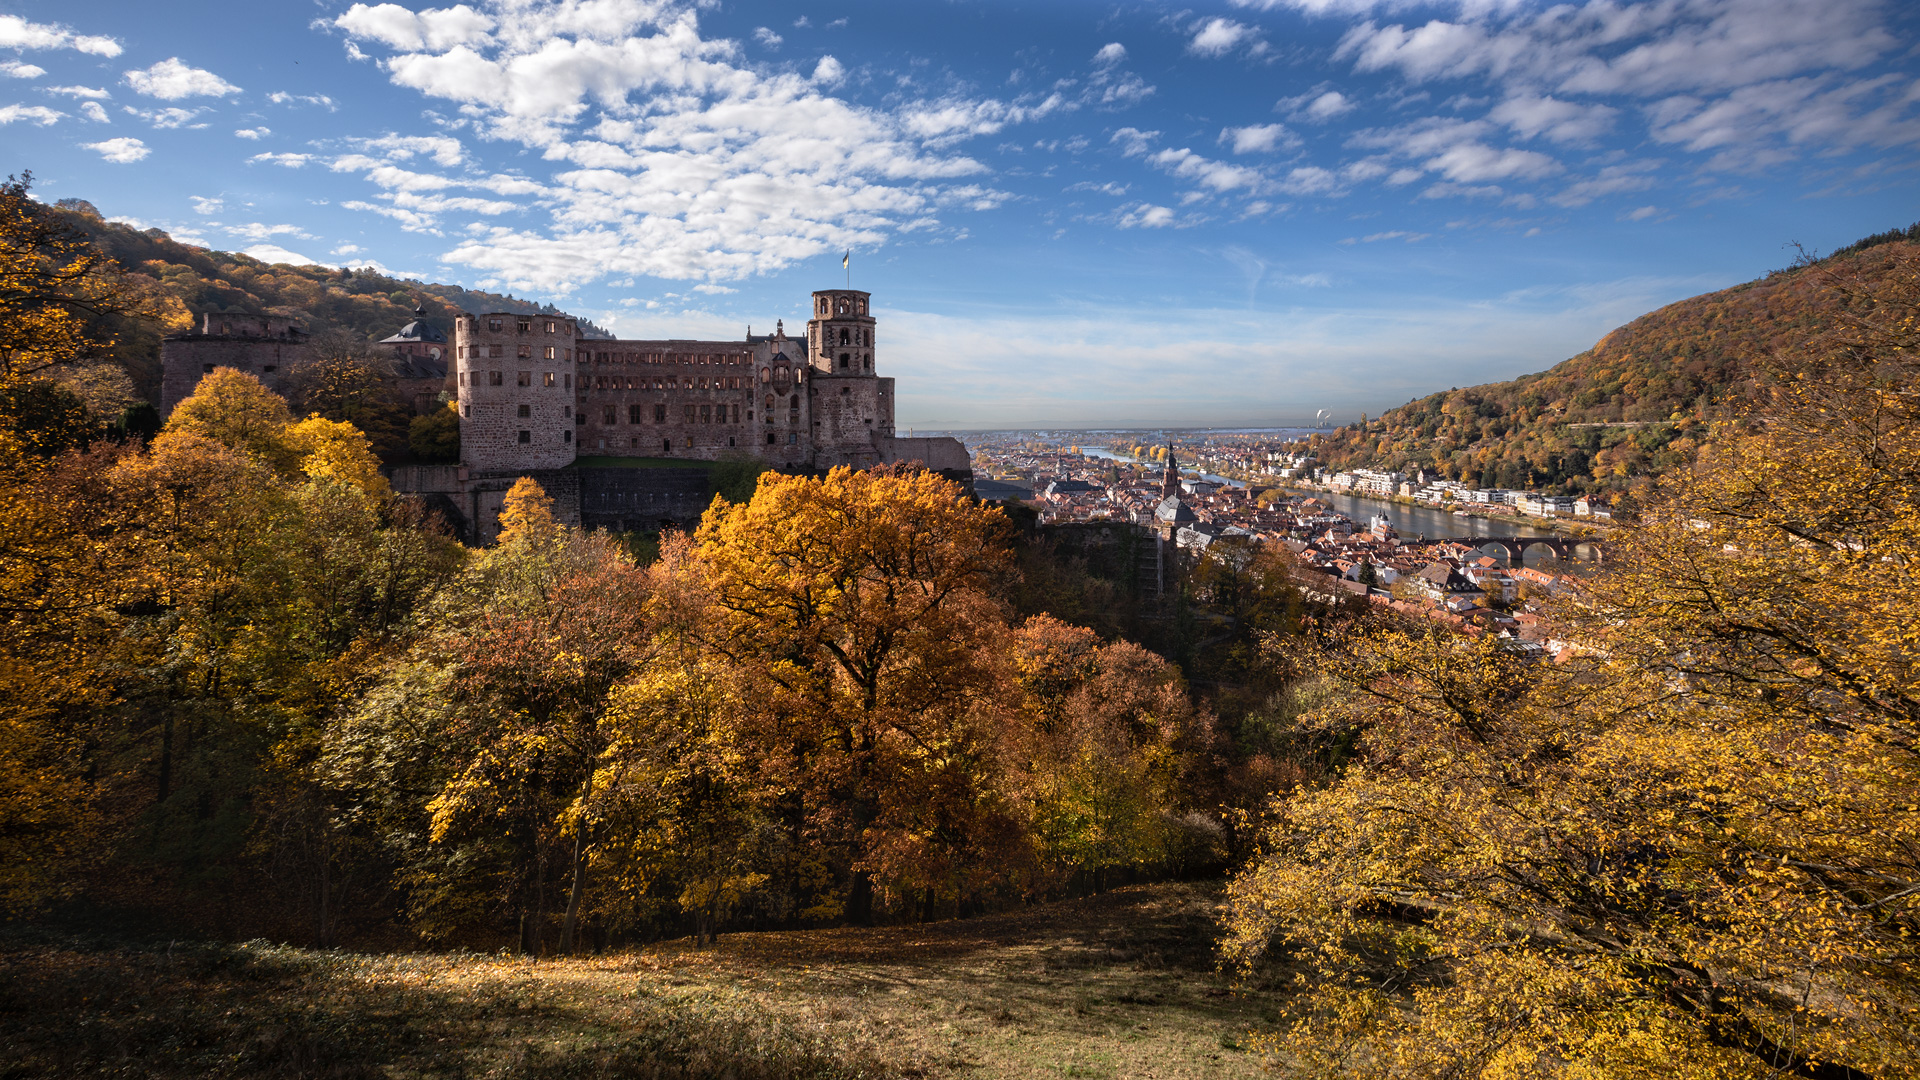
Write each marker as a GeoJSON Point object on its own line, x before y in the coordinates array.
{"type": "Point", "coordinates": [795, 403]}
{"type": "Point", "coordinates": [493, 324]}
{"type": "Point", "coordinates": [866, 363]}
{"type": "Point", "coordinates": [526, 410]}
{"type": "Point", "coordinates": [599, 382]}
{"type": "Point", "coordinates": [689, 414]}
{"type": "Point", "coordinates": [569, 382]}
{"type": "Point", "coordinates": [660, 414]}
{"type": "Point", "coordinates": [766, 375]}
{"type": "Point", "coordinates": [610, 419]}
{"type": "Point", "coordinates": [736, 413]}
{"type": "Point", "coordinates": [206, 369]}
{"type": "Point", "coordinates": [689, 442]}
{"type": "Point", "coordinates": [546, 378]}
{"type": "Point", "coordinates": [551, 355]}
{"type": "Point", "coordinates": [567, 411]}
{"type": "Point", "coordinates": [769, 401]}
{"type": "Point", "coordinates": [526, 326]}
{"type": "Point", "coordinates": [526, 352]}
{"type": "Point", "coordinates": [463, 378]}
{"type": "Point", "coordinates": [729, 440]}
{"type": "Point", "coordinates": [466, 410]}
{"type": "Point", "coordinates": [269, 367]}
{"type": "Point", "coordinates": [551, 328]}
{"type": "Point", "coordinates": [526, 436]}
{"type": "Point", "coordinates": [843, 361]}
{"type": "Point", "coordinates": [566, 436]}
{"type": "Point", "coordinates": [495, 378]}
{"type": "Point", "coordinates": [793, 438]}
{"type": "Point", "coordinates": [666, 444]}
{"type": "Point", "coordinates": [526, 378]}
{"type": "Point", "coordinates": [581, 419]}
{"type": "Point", "coordinates": [769, 438]}
{"type": "Point", "coordinates": [845, 337]}
{"type": "Point", "coordinates": [633, 414]}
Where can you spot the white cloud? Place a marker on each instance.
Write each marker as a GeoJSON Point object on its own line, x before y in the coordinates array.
{"type": "Point", "coordinates": [204, 205]}
{"type": "Point", "coordinates": [258, 231]}
{"type": "Point", "coordinates": [119, 151]}
{"type": "Point", "coordinates": [1132, 141]}
{"type": "Point", "coordinates": [19, 70]}
{"type": "Point", "coordinates": [93, 110]}
{"type": "Point", "coordinates": [1643, 213]}
{"type": "Point", "coordinates": [668, 156]}
{"type": "Point", "coordinates": [1146, 216]}
{"type": "Point", "coordinates": [1559, 121]}
{"type": "Point", "coordinates": [435, 30]}
{"type": "Point", "coordinates": [32, 114]}
{"type": "Point", "coordinates": [274, 253]}
{"type": "Point", "coordinates": [1317, 107]}
{"type": "Point", "coordinates": [1259, 138]}
{"type": "Point", "coordinates": [79, 92]}
{"type": "Point", "coordinates": [443, 149]}
{"type": "Point", "coordinates": [1613, 179]}
{"type": "Point", "coordinates": [167, 118]}
{"type": "Point", "coordinates": [18, 33]}
{"type": "Point", "coordinates": [1218, 36]}
{"type": "Point", "coordinates": [1218, 176]}
{"type": "Point", "coordinates": [171, 80]}
{"type": "Point", "coordinates": [1110, 54]}
{"type": "Point", "coordinates": [281, 97]}
{"type": "Point", "coordinates": [767, 37]}
{"type": "Point", "coordinates": [253, 132]}
{"type": "Point", "coordinates": [291, 161]}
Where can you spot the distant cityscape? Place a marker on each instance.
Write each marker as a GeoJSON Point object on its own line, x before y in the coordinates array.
{"type": "Point", "coordinates": [1417, 544]}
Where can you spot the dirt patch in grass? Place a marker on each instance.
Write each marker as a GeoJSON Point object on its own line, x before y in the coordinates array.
{"type": "Point", "coordinates": [1120, 985]}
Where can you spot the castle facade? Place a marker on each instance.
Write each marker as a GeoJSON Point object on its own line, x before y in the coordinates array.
{"type": "Point", "coordinates": [537, 399]}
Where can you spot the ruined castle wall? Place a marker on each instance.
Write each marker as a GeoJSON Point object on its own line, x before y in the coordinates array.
{"type": "Point", "coordinates": [264, 347]}
{"type": "Point", "coordinates": [515, 377]}
{"type": "Point", "coordinates": [639, 500]}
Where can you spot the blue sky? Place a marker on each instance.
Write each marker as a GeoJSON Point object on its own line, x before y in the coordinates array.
{"type": "Point", "coordinates": [1069, 214]}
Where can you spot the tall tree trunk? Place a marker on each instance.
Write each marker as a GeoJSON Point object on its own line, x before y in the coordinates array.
{"type": "Point", "coordinates": [578, 890]}
{"type": "Point", "coordinates": [166, 756]}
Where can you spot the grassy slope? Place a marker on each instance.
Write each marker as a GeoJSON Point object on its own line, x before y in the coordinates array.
{"type": "Point", "coordinates": [1670, 372]}
{"type": "Point", "coordinates": [1115, 986]}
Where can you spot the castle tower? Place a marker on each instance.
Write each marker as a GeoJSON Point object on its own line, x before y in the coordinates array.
{"type": "Point", "coordinates": [851, 406]}
{"type": "Point", "coordinates": [515, 380]}
{"type": "Point", "coordinates": [1170, 479]}
{"type": "Point", "coordinates": [840, 334]}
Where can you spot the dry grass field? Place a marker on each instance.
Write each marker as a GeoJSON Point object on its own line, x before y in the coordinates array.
{"type": "Point", "coordinates": [1121, 985]}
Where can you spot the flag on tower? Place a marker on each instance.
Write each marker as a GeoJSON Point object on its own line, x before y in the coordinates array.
{"type": "Point", "coordinates": [846, 261]}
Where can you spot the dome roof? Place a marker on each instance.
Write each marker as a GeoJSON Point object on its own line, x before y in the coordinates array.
{"type": "Point", "coordinates": [417, 330]}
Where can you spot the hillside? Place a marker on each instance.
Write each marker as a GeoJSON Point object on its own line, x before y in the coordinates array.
{"type": "Point", "coordinates": [320, 298]}
{"type": "Point", "coordinates": [1640, 401]}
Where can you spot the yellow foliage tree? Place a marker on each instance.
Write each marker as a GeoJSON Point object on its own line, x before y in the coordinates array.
{"type": "Point", "coordinates": [236, 410]}
{"type": "Point", "coordinates": [1690, 851]}
{"type": "Point", "coordinates": [336, 450]}
{"type": "Point", "coordinates": [526, 514]}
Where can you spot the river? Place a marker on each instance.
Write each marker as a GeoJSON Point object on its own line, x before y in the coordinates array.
{"type": "Point", "coordinates": [1411, 522]}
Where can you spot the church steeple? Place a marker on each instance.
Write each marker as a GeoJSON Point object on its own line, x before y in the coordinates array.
{"type": "Point", "coordinates": [1170, 479]}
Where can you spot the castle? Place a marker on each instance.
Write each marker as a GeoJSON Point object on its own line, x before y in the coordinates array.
{"type": "Point", "coordinates": [536, 398]}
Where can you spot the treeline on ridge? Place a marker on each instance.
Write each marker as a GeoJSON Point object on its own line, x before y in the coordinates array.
{"type": "Point", "coordinates": [1642, 401]}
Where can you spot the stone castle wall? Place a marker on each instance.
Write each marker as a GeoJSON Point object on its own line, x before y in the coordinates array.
{"type": "Point", "coordinates": [514, 376]}
{"type": "Point", "coordinates": [264, 347]}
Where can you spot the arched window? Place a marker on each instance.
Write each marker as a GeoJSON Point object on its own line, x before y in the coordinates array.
{"type": "Point", "coordinates": [769, 401]}
{"type": "Point", "coordinates": [845, 337]}
{"type": "Point", "coordinates": [795, 403]}
{"type": "Point", "coordinates": [843, 361]}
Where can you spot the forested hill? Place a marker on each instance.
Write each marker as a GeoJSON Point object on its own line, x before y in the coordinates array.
{"type": "Point", "coordinates": [1638, 402]}
{"type": "Point", "coordinates": [321, 298]}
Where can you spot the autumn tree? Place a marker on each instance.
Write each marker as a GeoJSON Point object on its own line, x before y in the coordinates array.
{"type": "Point", "coordinates": [1687, 850]}
{"type": "Point", "coordinates": [858, 600]}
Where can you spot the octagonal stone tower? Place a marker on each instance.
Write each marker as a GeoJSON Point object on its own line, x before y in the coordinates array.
{"type": "Point", "coordinates": [515, 380]}
{"type": "Point", "coordinates": [840, 334]}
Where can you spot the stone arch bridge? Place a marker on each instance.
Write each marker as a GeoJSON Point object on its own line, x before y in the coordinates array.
{"type": "Point", "coordinates": [1516, 546]}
